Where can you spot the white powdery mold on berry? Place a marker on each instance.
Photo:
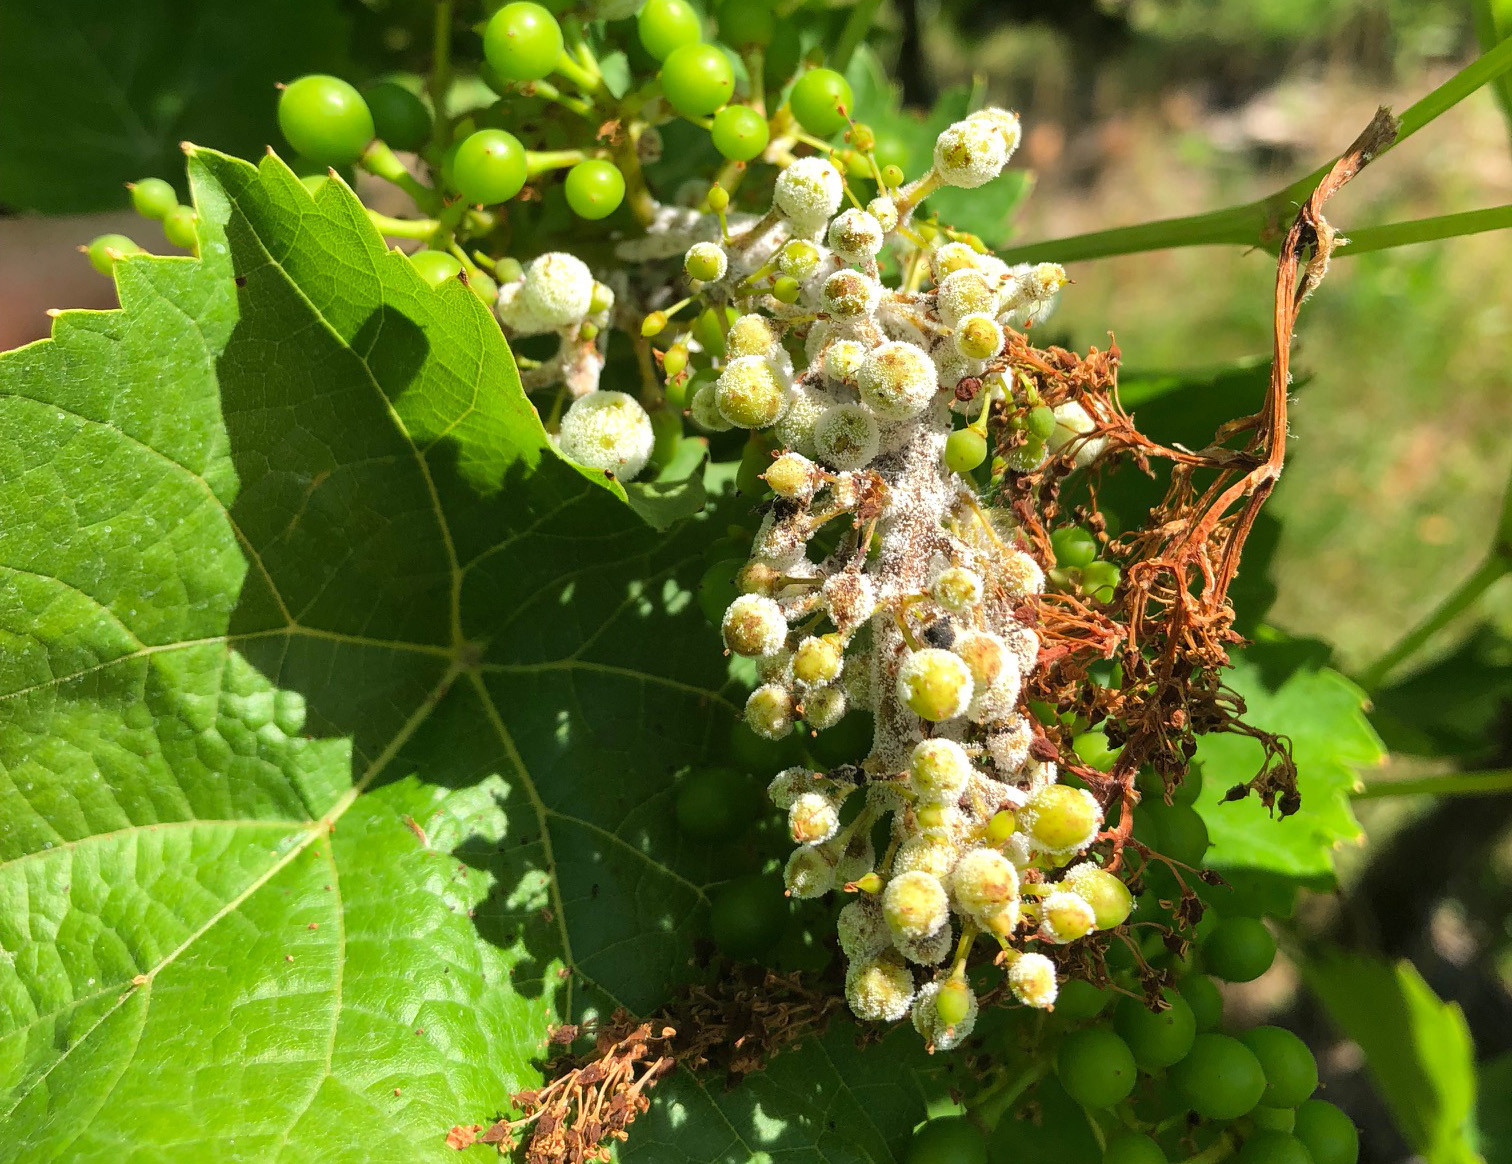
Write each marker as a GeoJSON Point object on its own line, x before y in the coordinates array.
{"type": "Point", "coordinates": [856, 235]}
{"type": "Point", "coordinates": [879, 990]}
{"type": "Point", "coordinates": [1004, 121]}
{"type": "Point", "coordinates": [609, 431]}
{"type": "Point", "coordinates": [984, 881]}
{"type": "Point", "coordinates": [1072, 423]}
{"type": "Point", "coordinates": [977, 336]}
{"type": "Point", "coordinates": [993, 702]}
{"type": "Point", "coordinates": [704, 409]}
{"type": "Point", "coordinates": [824, 708]}
{"type": "Point", "coordinates": [926, 1019]}
{"type": "Point", "coordinates": [897, 380]}
{"type": "Point", "coordinates": [1065, 917]}
{"type": "Point", "coordinates": [842, 361]}
{"type": "Point", "coordinates": [965, 292]}
{"type": "Point", "coordinates": [850, 599]}
{"type": "Point", "coordinates": [789, 784]}
{"type": "Point", "coordinates": [915, 905]}
{"type": "Point", "coordinates": [957, 589]}
{"type": "Point", "coordinates": [769, 711]}
{"type": "Point", "coordinates": [750, 335]}
{"type": "Point", "coordinates": [862, 932]}
{"type": "Point", "coordinates": [751, 392]}
{"type": "Point", "coordinates": [1031, 978]}
{"type": "Point", "coordinates": [970, 153]}
{"type": "Point", "coordinates": [754, 625]}
{"type": "Point", "coordinates": [930, 951]}
{"type": "Point", "coordinates": [557, 291]}
{"type": "Point", "coordinates": [1020, 575]}
{"type": "Point", "coordinates": [809, 873]}
{"type": "Point", "coordinates": [986, 656]}
{"type": "Point", "coordinates": [885, 211]}
{"type": "Point", "coordinates": [795, 428]}
{"type": "Point", "coordinates": [849, 295]}
{"type": "Point", "coordinates": [846, 437]}
{"type": "Point", "coordinates": [808, 193]}
{"type": "Point", "coordinates": [1024, 642]}
{"type": "Point", "coordinates": [857, 859]}
{"type": "Point", "coordinates": [938, 770]}
{"type": "Point", "coordinates": [1008, 746]}
{"type": "Point", "coordinates": [935, 685]}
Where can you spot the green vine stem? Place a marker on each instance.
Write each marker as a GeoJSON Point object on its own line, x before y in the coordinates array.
{"type": "Point", "coordinates": [1450, 784]}
{"type": "Point", "coordinates": [1262, 222]}
{"type": "Point", "coordinates": [990, 1104]}
{"type": "Point", "coordinates": [1401, 234]}
{"type": "Point", "coordinates": [439, 82]}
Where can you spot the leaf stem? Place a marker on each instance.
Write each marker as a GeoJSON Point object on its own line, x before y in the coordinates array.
{"type": "Point", "coordinates": [1449, 784]}
{"type": "Point", "coordinates": [418, 228]}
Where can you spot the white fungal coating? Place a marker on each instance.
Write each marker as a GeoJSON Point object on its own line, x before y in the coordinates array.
{"type": "Point", "coordinates": [897, 379]}
{"type": "Point", "coordinates": [850, 295]}
{"type": "Point", "coordinates": [978, 336]}
{"type": "Point", "coordinates": [986, 655]}
{"type": "Point", "coordinates": [1004, 121]}
{"type": "Point", "coordinates": [885, 211]}
{"type": "Point", "coordinates": [862, 932]}
{"type": "Point", "coordinates": [754, 625]}
{"type": "Point", "coordinates": [1021, 575]}
{"type": "Point", "coordinates": [949, 257]}
{"type": "Point", "coordinates": [934, 855]}
{"type": "Point", "coordinates": [1065, 916]}
{"type": "Point", "coordinates": [846, 437]}
{"type": "Point", "coordinates": [808, 873]}
{"type": "Point", "coordinates": [842, 361]}
{"type": "Point", "coordinates": [769, 711]}
{"type": "Point", "coordinates": [926, 1019]}
{"type": "Point", "coordinates": [795, 428]}
{"type": "Point", "coordinates": [750, 393]}
{"type": "Point", "coordinates": [879, 990]}
{"type": "Point", "coordinates": [930, 951]}
{"type": "Point", "coordinates": [856, 235]}
{"type": "Point", "coordinates": [984, 881]}
{"type": "Point", "coordinates": [970, 153]}
{"type": "Point", "coordinates": [935, 684]}
{"type": "Point", "coordinates": [813, 819]}
{"type": "Point", "coordinates": [704, 409]}
{"type": "Point", "coordinates": [750, 335]}
{"type": "Point", "coordinates": [792, 476]}
{"type": "Point", "coordinates": [609, 431]}
{"type": "Point", "coordinates": [557, 291]}
{"type": "Point", "coordinates": [788, 785]}
{"type": "Point", "coordinates": [939, 770]}
{"type": "Point", "coordinates": [915, 905]}
{"type": "Point", "coordinates": [1032, 980]}
{"type": "Point", "coordinates": [957, 589]}
{"type": "Point", "coordinates": [965, 292]}
{"type": "Point", "coordinates": [808, 193]}
{"type": "Point", "coordinates": [824, 708]}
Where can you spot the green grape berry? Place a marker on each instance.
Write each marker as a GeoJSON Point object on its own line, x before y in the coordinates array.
{"type": "Point", "coordinates": [708, 333]}
{"type": "Point", "coordinates": [325, 119]}
{"type": "Point", "coordinates": [965, 449]}
{"type": "Point", "coordinates": [1074, 547]}
{"type": "Point", "coordinates": [1096, 1067]}
{"type": "Point", "coordinates": [739, 133]}
{"type": "Point", "coordinates": [1291, 1072]}
{"type": "Point", "coordinates": [1220, 1078]}
{"type": "Point", "coordinates": [1329, 1134]}
{"type": "Point", "coordinates": [181, 228]}
{"type": "Point", "coordinates": [1093, 749]}
{"type": "Point", "coordinates": [949, 1140]}
{"type": "Point", "coordinates": [1157, 1038]}
{"type": "Point", "coordinates": [821, 100]}
{"type": "Point", "coordinates": [435, 267]}
{"type": "Point", "coordinates": [1204, 998]}
{"type": "Point", "coordinates": [1183, 833]}
{"type": "Point", "coordinates": [489, 166]}
{"type": "Point", "coordinates": [1099, 581]}
{"type": "Point", "coordinates": [718, 588]}
{"type": "Point", "coordinates": [595, 188]}
{"type": "Point", "coordinates": [1270, 1147]}
{"type": "Point", "coordinates": [1079, 999]}
{"type": "Point", "coordinates": [153, 198]}
{"type": "Point", "coordinates": [522, 42]}
{"type": "Point", "coordinates": [399, 117]}
{"type": "Point", "coordinates": [104, 250]}
{"type": "Point", "coordinates": [714, 804]}
{"type": "Point", "coordinates": [667, 25]}
{"type": "Point", "coordinates": [1133, 1148]}
{"type": "Point", "coordinates": [1273, 1119]}
{"type": "Point", "coordinates": [748, 916]}
{"type": "Point", "coordinates": [1239, 949]}
{"type": "Point", "coordinates": [746, 22]}
{"type": "Point", "coordinates": [697, 79]}
{"type": "Point", "coordinates": [1041, 425]}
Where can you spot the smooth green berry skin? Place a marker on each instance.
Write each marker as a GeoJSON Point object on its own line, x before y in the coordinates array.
{"type": "Point", "coordinates": [718, 588]}
{"type": "Point", "coordinates": [714, 804]}
{"type": "Point", "coordinates": [1074, 547]}
{"type": "Point", "coordinates": [1093, 749]}
{"type": "Point", "coordinates": [697, 79]}
{"type": "Point", "coordinates": [522, 42]}
{"type": "Point", "coordinates": [820, 100]}
{"type": "Point", "coordinates": [739, 133]}
{"type": "Point", "coordinates": [1330, 1136]}
{"type": "Point", "coordinates": [325, 119]}
{"type": "Point", "coordinates": [399, 117]}
{"type": "Point", "coordinates": [950, 1140]}
{"type": "Point", "coordinates": [181, 228]}
{"type": "Point", "coordinates": [1099, 581]}
{"type": "Point", "coordinates": [489, 166]}
{"type": "Point", "coordinates": [1096, 1067]}
{"type": "Point", "coordinates": [594, 188]}
{"type": "Point", "coordinates": [746, 22]}
{"type": "Point", "coordinates": [706, 329]}
{"type": "Point", "coordinates": [965, 449]}
{"type": "Point", "coordinates": [1041, 425]}
{"type": "Point", "coordinates": [1291, 1072]}
{"type": "Point", "coordinates": [153, 198]}
{"type": "Point", "coordinates": [1157, 1039]}
{"type": "Point", "coordinates": [1273, 1148]}
{"type": "Point", "coordinates": [1220, 1078]}
{"type": "Point", "coordinates": [747, 918]}
{"type": "Point", "coordinates": [1204, 998]}
{"type": "Point", "coordinates": [1239, 949]}
{"type": "Point", "coordinates": [99, 251]}
{"type": "Point", "coordinates": [1183, 833]}
{"type": "Point", "coordinates": [666, 25]}
{"type": "Point", "coordinates": [1132, 1148]}
{"type": "Point", "coordinates": [1079, 999]}
{"type": "Point", "coordinates": [435, 267]}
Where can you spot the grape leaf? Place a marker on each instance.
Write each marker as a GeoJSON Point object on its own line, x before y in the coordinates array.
{"type": "Point", "coordinates": [331, 763]}
{"type": "Point", "coordinates": [1288, 688]}
{"type": "Point", "coordinates": [1417, 1048]}
{"type": "Point", "coordinates": [99, 93]}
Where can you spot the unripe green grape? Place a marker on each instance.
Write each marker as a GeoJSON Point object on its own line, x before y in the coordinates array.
{"type": "Point", "coordinates": [697, 79]}
{"type": "Point", "coordinates": [399, 117]}
{"type": "Point", "coordinates": [786, 290]}
{"type": "Point", "coordinates": [1291, 1072]}
{"type": "Point", "coordinates": [746, 22]}
{"type": "Point", "coordinates": [1041, 424]}
{"type": "Point", "coordinates": [674, 360]}
{"type": "Point", "coordinates": [1272, 1148]}
{"type": "Point", "coordinates": [664, 25]}
{"type": "Point", "coordinates": [1132, 1148]}
{"type": "Point", "coordinates": [1096, 1067]}
{"type": "Point", "coordinates": [486, 289]}
{"type": "Point", "coordinates": [522, 42]}
{"type": "Point", "coordinates": [181, 228]}
{"type": "Point", "coordinates": [739, 133]}
{"type": "Point", "coordinates": [1330, 1136]}
{"type": "Point", "coordinates": [1092, 749]}
{"type": "Point", "coordinates": [747, 916]}
{"type": "Point", "coordinates": [953, 1002]}
{"type": "Point", "coordinates": [1081, 1000]}
{"type": "Point", "coordinates": [1060, 818]}
{"type": "Point", "coordinates": [1205, 999]}
{"type": "Point", "coordinates": [1074, 547]}
{"type": "Point", "coordinates": [325, 119]}
{"type": "Point", "coordinates": [950, 1140]}
{"type": "Point", "coordinates": [706, 262]}
{"type": "Point", "coordinates": [1239, 949]}
{"type": "Point", "coordinates": [714, 804]}
{"type": "Point", "coordinates": [654, 324]}
{"type": "Point", "coordinates": [1274, 1119]}
{"type": "Point", "coordinates": [1158, 1039]}
{"type": "Point", "coordinates": [594, 188]}
{"type": "Point", "coordinates": [718, 588]}
{"type": "Point", "coordinates": [489, 166]}
{"type": "Point", "coordinates": [965, 449]}
{"type": "Point", "coordinates": [153, 198]}
{"type": "Point", "coordinates": [1099, 581]}
{"type": "Point", "coordinates": [435, 267]}
{"type": "Point", "coordinates": [1105, 892]}
{"type": "Point", "coordinates": [99, 251]}
{"type": "Point", "coordinates": [821, 100]}
{"type": "Point", "coordinates": [1183, 833]}
{"type": "Point", "coordinates": [1220, 1078]}
{"type": "Point", "coordinates": [667, 425]}
{"type": "Point", "coordinates": [708, 333]}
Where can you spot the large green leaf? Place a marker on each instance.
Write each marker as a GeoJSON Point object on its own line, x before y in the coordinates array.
{"type": "Point", "coordinates": [337, 713]}
{"type": "Point", "coordinates": [1418, 1049]}
{"type": "Point", "coordinates": [1288, 688]}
